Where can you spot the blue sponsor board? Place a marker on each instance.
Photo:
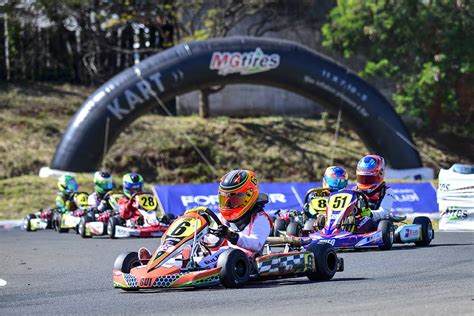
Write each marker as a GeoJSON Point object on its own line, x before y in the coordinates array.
{"type": "Point", "coordinates": [410, 197]}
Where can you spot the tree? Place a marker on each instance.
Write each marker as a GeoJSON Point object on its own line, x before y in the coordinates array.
{"type": "Point", "coordinates": [425, 46]}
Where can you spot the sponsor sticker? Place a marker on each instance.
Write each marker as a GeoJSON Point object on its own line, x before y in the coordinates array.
{"type": "Point", "coordinates": [246, 63]}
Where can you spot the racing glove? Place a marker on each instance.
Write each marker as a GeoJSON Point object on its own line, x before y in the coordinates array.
{"type": "Point", "coordinates": [366, 212]}
{"type": "Point", "coordinates": [102, 206]}
{"type": "Point", "coordinates": [226, 233]}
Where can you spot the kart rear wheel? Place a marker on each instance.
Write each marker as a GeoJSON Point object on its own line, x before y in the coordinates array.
{"type": "Point", "coordinates": [388, 234]}
{"type": "Point", "coordinates": [427, 233]}
{"type": "Point", "coordinates": [278, 227]}
{"type": "Point", "coordinates": [235, 268]}
{"type": "Point", "coordinates": [27, 222]}
{"type": "Point", "coordinates": [126, 261]}
{"type": "Point", "coordinates": [294, 229]}
{"type": "Point", "coordinates": [113, 221]}
{"type": "Point", "coordinates": [325, 260]}
{"type": "Point", "coordinates": [321, 222]}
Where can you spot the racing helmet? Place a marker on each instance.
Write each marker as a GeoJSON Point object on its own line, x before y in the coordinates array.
{"type": "Point", "coordinates": [132, 183]}
{"type": "Point", "coordinates": [238, 192]}
{"type": "Point", "coordinates": [67, 184]}
{"type": "Point", "coordinates": [335, 178]}
{"type": "Point", "coordinates": [370, 173]}
{"type": "Point", "coordinates": [103, 182]}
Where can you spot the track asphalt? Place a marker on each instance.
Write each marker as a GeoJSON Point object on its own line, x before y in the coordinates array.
{"type": "Point", "coordinates": [51, 273]}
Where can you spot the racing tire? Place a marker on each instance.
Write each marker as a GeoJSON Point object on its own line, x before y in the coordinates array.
{"type": "Point", "coordinates": [113, 221]}
{"type": "Point", "coordinates": [321, 222]}
{"type": "Point", "coordinates": [388, 234]}
{"type": "Point", "coordinates": [27, 222]}
{"type": "Point", "coordinates": [278, 226]}
{"type": "Point", "coordinates": [427, 233]}
{"type": "Point", "coordinates": [60, 230]}
{"type": "Point", "coordinates": [82, 226]}
{"type": "Point", "coordinates": [325, 261]}
{"type": "Point", "coordinates": [235, 268]}
{"type": "Point", "coordinates": [126, 261]}
{"type": "Point", "coordinates": [294, 229]}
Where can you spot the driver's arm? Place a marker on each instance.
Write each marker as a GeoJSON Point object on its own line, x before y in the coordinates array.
{"type": "Point", "coordinates": [256, 238]}
{"type": "Point", "coordinates": [385, 206]}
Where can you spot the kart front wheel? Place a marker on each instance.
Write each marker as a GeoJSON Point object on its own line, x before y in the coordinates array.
{"type": "Point", "coordinates": [388, 234]}
{"type": "Point", "coordinates": [59, 220]}
{"type": "Point", "coordinates": [82, 226]}
{"type": "Point", "coordinates": [325, 260]}
{"type": "Point", "coordinates": [427, 233]}
{"type": "Point", "coordinates": [27, 222]}
{"type": "Point", "coordinates": [235, 268]}
{"type": "Point", "coordinates": [126, 261]}
{"type": "Point", "coordinates": [278, 227]}
{"type": "Point", "coordinates": [113, 221]}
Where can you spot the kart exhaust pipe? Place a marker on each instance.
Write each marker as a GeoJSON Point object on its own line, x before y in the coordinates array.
{"type": "Point", "coordinates": [293, 241]}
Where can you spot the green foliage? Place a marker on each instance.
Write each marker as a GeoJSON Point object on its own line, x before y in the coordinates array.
{"type": "Point", "coordinates": [426, 46]}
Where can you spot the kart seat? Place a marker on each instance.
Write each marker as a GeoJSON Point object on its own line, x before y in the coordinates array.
{"type": "Point", "coordinates": [262, 198]}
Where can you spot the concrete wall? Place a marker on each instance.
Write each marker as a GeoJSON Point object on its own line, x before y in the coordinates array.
{"type": "Point", "coordinates": [249, 100]}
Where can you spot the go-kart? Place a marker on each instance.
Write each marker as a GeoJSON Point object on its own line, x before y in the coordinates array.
{"type": "Point", "coordinates": [301, 223]}
{"type": "Point", "coordinates": [63, 222]}
{"type": "Point", "coordinates": [94, 223]}
{"type": "Point", "coordinates": [186, 259]}
{"type": "Point", "coordinates": [341, 228]}
{"type": "Point", "coordinates": [42, 219]}
{"type": "Point", "coordinates": [148, 225]}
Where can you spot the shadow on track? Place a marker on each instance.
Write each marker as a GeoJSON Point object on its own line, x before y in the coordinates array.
{"type": "Point", "coordinates": [251, 285]}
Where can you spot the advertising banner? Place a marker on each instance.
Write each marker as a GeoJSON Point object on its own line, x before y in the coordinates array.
{"type": "Point", "coordinates": [411, 198]}
{"type": "Point", "coordinates": [456, 198]}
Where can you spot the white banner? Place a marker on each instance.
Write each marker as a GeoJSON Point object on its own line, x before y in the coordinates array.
{"type": "Point", "coordinates": [455, 197]}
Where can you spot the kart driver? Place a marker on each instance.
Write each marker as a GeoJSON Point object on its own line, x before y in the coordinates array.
{"type": "Point", "coordinates": [132, 184]}
{"type": "Point", "coordinates": [335, 178]}
{"type": "Point", "coordinates": [67, 186]}
{"type": "Point", "coordinates": [102, 184]}
{"type": "Point", "coordinates": [370, 181]}
{"type": "Point", "coordinates": [245, 224]}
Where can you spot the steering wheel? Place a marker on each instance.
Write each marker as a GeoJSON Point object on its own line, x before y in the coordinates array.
{"type": "Point", "coordinates": [363, 197]}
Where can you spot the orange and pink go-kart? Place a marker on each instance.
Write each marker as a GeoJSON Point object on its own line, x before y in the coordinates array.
{"type": "Point", "coordinates": [149, 223]}
{"type": "Point", "coordinates": [186, 259]}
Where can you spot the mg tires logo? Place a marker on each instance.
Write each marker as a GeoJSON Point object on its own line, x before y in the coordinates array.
{"type": "Point", "coordinates": [243, 63]}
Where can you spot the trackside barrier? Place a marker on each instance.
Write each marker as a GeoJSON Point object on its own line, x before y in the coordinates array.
{"type": "Point", "coordinates": [411, 198]}
{"type": "Point", "coordinates": [456, 198]}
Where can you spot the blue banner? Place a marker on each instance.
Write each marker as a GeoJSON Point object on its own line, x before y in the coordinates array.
{"type": "Point", "coordinates": [410, 197]}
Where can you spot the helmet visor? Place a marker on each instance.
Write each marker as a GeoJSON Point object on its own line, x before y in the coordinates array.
{"type": "Point", "coordinates": [233, 200]}
{"type": "Point", "coordinates": [336, 183]}
{"type": "Point", "coordinates": [368, 179]}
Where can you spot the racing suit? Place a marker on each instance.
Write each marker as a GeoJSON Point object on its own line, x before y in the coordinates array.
{"type": "Point", "coordinates": [99, 207]}
{"type": "Point", "coordinates": [253, 236]}
{"type": "Point", "coordinates": [380, 205]}
{"type": "Point", "coordinates": [129, 209]}
{"type": "Point", "coordinates": [65, 202]}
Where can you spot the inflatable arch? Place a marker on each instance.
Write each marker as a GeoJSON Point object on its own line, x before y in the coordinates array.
{"type": "Point", "coordinates": [263, 61]}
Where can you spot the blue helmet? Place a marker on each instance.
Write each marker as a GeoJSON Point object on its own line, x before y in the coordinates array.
{"type": "Point", "coordinates": [132, 183]}
{"type": "Point", "coordinates": [335, 178]}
